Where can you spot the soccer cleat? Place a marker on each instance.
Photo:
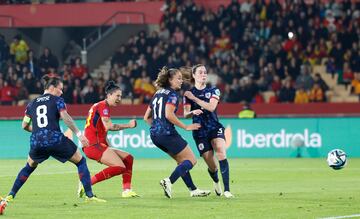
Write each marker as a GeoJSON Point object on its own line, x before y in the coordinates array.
{"type": "Point", "coordinates": [94, 199]}
{"type": "Point", "coordinates": [128, 193]}
{"type": "Point", "coordinates": [228, 194]}
{"type": "Point", "coordinates": [217, 188]}
{"type": "Point", "coordinates": [166, 185]}
{"type": "Point", "coordinates": [4, 202]}
{"type": "Point", "coordinates": [199, 193]}
{"type": "Point", "coordinates": [3, 205]}
{"type": "Point", "coordinates": [81, 190]}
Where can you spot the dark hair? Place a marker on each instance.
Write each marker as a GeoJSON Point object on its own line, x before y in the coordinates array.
{"type": "Point", "coordinates": [162, 80]}
{"type": "Point", "coordinates": [110, 87]}
{"type": "Point", "coordinates": [48, 80]}
{"type": "Point", "coordinates": [188, 72]}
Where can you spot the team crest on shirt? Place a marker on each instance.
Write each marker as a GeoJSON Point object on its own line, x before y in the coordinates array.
{"type": "Point", "coordinates": [201, 146]}
{"type": "Point", "coordinates": [106, 112]}
{"type": "Point", "coordinates": [208, 95]}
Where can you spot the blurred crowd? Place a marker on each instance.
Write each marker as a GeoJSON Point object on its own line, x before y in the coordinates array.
{"type": "Point", "coordinates": [250, 49]}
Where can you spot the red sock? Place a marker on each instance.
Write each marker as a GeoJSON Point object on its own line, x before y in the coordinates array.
{"type": "Point", "coordinates": [107, 173]}
{"type": "Point", "coordinates": [128, 161]}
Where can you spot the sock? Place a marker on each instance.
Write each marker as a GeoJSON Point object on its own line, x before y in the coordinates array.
{"type": "Point", "coordinates": [188, 181]}
{"type": "Point", "coordinates": [21, 178]}
{"type": "Point", "coordinates": [128, 161]}
{"type": "Point", "coordinates": [214, 175]}
{"type": "Point", "coordinates": [224, 168]}
{"type": "Point", "coordinates": [180, 170]}
{"type": "Point", "coordinates": [107, 173]}
{"type": "Point", "coordinates": [84, 176]}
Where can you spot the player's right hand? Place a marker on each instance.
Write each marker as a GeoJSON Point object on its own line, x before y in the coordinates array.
{"type": "Point", "coordinates": [84, 141]}
{"type": "Point", "coordinates": [194, 126]}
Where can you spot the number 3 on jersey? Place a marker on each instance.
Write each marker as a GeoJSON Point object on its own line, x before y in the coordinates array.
{"type": "Point", "coordinates": [41, 118]}
{"type": "Point", "coordinates": [157, 104]}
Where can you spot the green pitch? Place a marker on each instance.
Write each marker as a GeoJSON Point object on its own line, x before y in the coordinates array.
{"type": "Point", "coordinates": [264, 188]}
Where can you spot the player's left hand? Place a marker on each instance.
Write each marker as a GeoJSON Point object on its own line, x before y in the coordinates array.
{"type": "Point", "coordinates": [197, 112]}
{"type": "Point", "coordinates": [189, 95]}
{"type": "Point", "coordinates": [132, 123]}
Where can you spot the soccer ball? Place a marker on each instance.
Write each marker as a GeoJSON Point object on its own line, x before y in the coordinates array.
{"type": "Point", "coordinates": [336, 159]}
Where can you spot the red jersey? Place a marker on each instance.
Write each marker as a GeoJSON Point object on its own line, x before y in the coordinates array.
{"type": "Point", "coordinates": [95, 131]}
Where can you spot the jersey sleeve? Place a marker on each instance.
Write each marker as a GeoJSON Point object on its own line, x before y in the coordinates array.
{"type": "Point", "coordinates": [215, 93]}
{"type": "Point", "coordinates": [60, 104]}
{"type": "Point", "coordinates": [104, 110]}
{"type": "Point", "coordinates": [27, 110]}
{"type": "Point", "coordinates": [172, 99]}
{"type": "Point", "coordinates": [186, 101]}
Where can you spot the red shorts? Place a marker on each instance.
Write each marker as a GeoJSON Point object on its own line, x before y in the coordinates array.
{"type": "Point", "coordinates": [95, 151]}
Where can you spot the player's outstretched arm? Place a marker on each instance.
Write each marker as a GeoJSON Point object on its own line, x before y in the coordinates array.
{"type": "Point", "coordinates": [209, 106]}
{"type": "Point", "coordinates": [148, 116]}
{"type": "Point", "coordinates": [71, 124]}
{"type": "Point", "coordinates": [170, 115]}
{"type": "Point", "coordinates": [26, 124]}
{"type": "Point", "coordinates": [116, 127]}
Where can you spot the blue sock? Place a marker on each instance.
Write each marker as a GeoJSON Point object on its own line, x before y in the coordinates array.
{"type": "Point", "coordinates": [188, 181]}
{"type": "Point", "coordinates": [214, 175]}
{"type": "Point", "coordinates": [21, 178]}
{"type": "Point", "coordinates": [180, 170]}
{"type": "Point", "coordinates": [84, 176]}
{"type": "Point", "coordinates": [224, 168]}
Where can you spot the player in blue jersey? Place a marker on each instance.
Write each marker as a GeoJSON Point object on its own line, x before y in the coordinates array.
{"type": "Point", "coordinates": [42, 120]}
{"type": "Point", "coordinates": [161, 116]}
{"type": "Point", "coordinates": [200, 103]}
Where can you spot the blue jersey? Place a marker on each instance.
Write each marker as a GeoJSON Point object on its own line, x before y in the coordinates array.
{"type": "Point", "coordinates": [44, 112]}
{"type": "Point", "coordinates": [160, 125]}
{"type": "Point", "coordinates": [208, 120]}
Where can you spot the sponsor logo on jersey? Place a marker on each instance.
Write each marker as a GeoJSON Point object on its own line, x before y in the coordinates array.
{"type": "Point", "coordinates": [217, 92]}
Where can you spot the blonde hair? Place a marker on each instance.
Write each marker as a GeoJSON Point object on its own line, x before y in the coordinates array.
{"type": "Point", "coordinates": [162, 80]}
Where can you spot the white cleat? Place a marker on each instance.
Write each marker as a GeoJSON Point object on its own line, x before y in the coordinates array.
{"type": "Point", "coordinates": [217, 188]}
{"type": "Point", "coordinates": [166, 185]}
{"type": "Point", "coordinates": [199, 193]}
{"type": "Point", "coordinates": [228, 194]}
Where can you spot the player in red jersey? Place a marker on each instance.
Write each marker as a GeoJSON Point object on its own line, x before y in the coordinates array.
{"type": "Point", "coordinates": [98, 123]}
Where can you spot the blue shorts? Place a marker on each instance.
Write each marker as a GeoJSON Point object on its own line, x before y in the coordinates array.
{"type": "Point", "coordinates": [204, 144]}
{"type": "Point", "coordinates": [61, 152]}
{"type": "Point", "coordinates": [171, 144]}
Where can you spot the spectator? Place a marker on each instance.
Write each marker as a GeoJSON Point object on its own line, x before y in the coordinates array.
{"type": "Point", "coordinates": [301, 96]}
{"type": "Point", "coordinates": [287, 93]}
{"type": "Point", "coordinates": [7, 94]}
{"type": "Point", "coordinates": [316, 94]}
{"type": "Point", "coordinates": [18, 50]}
{"type": "Point", "coordinates": [4, 52]}
{"type": "Point", "coordinates": [79, 71]}
{"type": "Point", "coordinates": [47, 61]}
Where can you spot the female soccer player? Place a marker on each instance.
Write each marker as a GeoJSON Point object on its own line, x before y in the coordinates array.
{"type": "Point", "coordinates": [42, 120]}
{"type": "Point", "coordinates": [98, 123]}
{"type": "Point", "coordinates": [161, 116]}
{"type": "Point", "coordinates": [200, 103]}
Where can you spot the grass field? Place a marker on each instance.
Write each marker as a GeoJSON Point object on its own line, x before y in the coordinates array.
{"type": "Point", "coordinates": [264, 188]}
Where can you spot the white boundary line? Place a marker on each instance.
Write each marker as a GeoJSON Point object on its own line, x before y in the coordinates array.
{"type": "Point", "coordinates": [345, 216]}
